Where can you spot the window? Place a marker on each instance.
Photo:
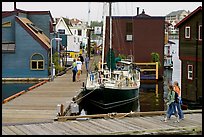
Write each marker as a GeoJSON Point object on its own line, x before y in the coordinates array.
{"type": "Point", "coordinates": [190, 72]}
{"type": "Point", "coordinates": [8, 47]}
{"type": "Point", "coordinates": [37, 62]}
{"type": "Point", "coordinates": [129, 31]}
{"type": "Point", "coordinates": [61, 31]}
{"type": "Point", "coordinates": [187, 32]}
{"type": "Point", "coordinates": [35, 28]}
{"type": "Point", "coordinates": [200, 35]}
{"type": "Point", "coordinates": [6, 24]}
{"type": "Point", "coordinates": [79, 32]}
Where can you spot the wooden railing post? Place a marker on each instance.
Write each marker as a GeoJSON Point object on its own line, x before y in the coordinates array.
{"type": "Point", "coordinates": [157, 70]}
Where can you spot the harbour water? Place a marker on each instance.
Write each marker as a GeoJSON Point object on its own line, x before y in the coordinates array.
{"type": "Point", "coordinates": [9, 89]}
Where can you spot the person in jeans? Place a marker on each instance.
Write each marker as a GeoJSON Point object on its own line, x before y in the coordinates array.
{"type": "Point", "coordinates": [74, 70]}
{"type": "Point", "coordinates": [170, 104]}
{"type": "Point", "coordinates": [87, 63]}
{"type": "Point", "coordinates": [179, 102]}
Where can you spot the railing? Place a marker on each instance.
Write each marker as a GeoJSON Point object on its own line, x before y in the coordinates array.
{"type": "Point", "coordinates": [148, 70]}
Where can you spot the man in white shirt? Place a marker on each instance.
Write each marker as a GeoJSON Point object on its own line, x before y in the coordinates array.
{"type": "Point", "coordinates": [79, 64]}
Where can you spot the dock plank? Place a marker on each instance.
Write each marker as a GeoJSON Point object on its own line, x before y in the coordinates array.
{"type": "Point", "coordinates": [73, 130]}
{"type": "Point", "coordinates": [16, 130]}
{"type": "Point", "coordinates": [126, 125]}
{"type": "Point", "coordinates": [8, 131]}
{"type": "Point", "coordinates": [40, 103]}
{"type": "Point", "coordinates": [88, 127]}
{"type": "Point", "coordinates": [103, 127]}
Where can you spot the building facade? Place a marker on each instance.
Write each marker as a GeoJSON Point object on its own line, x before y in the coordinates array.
{"type": "Point", "coordinates": [173, 18]}
{"type": "Point", "coordinates": [139, 36]}
{"type": "Point", "coordinates": [26, 46]}
{"type": "Point", "coordinates": [190, 53]}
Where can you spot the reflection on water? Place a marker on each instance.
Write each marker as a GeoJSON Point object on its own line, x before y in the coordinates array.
{"type": "Point", "coordinates": [151, 97]}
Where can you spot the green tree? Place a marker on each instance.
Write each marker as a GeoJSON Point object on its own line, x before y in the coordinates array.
{"type": "Point", "coordinates": [155, 58]}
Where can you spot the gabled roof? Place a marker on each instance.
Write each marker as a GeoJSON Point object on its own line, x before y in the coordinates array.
{"type": "Point", "coordinates": [17, 11]}
{"type": "Point", "coordinates": [35, 32]}
{"type": "Point", "coordinates": [75, 21]}
{"type": "Point", "coordinates": [66, 23]}
{"type": "Point", "coordinates": [189, 16]}
{"type": "Point", "coordinates": [174, 13]}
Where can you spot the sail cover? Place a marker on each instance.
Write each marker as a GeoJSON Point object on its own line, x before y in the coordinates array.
{"type": "Point", "coordinates": [110, 59]}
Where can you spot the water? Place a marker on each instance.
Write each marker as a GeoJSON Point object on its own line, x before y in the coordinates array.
{"type": "Point", "coordinates": [9, 89]}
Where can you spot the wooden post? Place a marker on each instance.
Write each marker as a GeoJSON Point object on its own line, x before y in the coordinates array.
{"type": "Point", "coordinates": [60, 109]}
{"type": "Point", "coordinates": [157, 70]}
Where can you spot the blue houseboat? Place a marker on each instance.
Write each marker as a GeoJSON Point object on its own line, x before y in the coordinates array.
{"type": "Point", "coordinates": [26, 43]}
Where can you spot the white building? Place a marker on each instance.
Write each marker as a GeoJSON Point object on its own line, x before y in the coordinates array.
{"type": "Point", "coordinates": [168, 63]}
{"type": "Point", "coordinates": [79, 29]}
{"type": "Point", "coordinates": [173, 18]}
{"type": "Point", "coordinates": [63, 27]}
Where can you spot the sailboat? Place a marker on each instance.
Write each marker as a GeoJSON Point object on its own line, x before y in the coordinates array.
{"type": "Point", "coordinates": [115, 85]}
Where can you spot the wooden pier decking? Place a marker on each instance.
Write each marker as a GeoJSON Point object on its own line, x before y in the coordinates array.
{"type": "Point", "coordinates": [147, 125]}
{"type": "Point", "coordinates": [40, 103]}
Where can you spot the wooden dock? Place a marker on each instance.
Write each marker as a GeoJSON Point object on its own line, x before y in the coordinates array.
{"type": "Point", "coordinates": [40, 103]}
{"type": "Point", "coordinates": [141, 125]}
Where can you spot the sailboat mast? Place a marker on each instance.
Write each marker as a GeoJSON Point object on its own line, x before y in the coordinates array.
{"type": "Point", "coordinates": [104, 31]}
{"type": "Point", "coordinates": [110, 4]}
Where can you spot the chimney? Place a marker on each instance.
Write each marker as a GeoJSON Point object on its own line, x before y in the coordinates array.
{"type": "Point", "coordinates": [14, 5]}
{"type": "Point", "coordinates": [143, 12]}
{"type": "Point", "coordinates": [137, 10]}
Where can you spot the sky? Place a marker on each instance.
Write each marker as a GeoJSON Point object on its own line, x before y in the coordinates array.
{"type": "Point", "coordinates": [80, 10]}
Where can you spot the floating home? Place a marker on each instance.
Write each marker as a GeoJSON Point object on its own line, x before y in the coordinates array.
{"type": "Point", "coordinates": [139, 36]}
{"type": "Point", "coordinates": [190, 54]}
{"type": "Point", "coordinates": [26, 44]}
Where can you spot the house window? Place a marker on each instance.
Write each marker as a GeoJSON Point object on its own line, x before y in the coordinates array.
{"type": "Point", "coordinates": [79, 32]}
{"type": "Point", "coordinates": [6, 24]}
{"type": "Point", "coordinates": [190, 72]}
{"type": "Point", "coordinates": [200, 35]}
{"type": "Point", "coordinates": [8, 47]}
{"type": "Point", "coordinates": [61, 31]}
{"type": "Point", "coordinates": [37, 62]}
{"type": "Point", "coordinates": [187, 32]}
{"type": "Point", "coordinates": [129, 31]}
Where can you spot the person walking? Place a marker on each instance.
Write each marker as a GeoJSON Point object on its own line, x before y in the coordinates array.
{"type": "Point", "coordinates": [87, 62]}
{"type": "Point", "coordinates": [170, 104]}
{"type": "Point", "coordinates": [79, 64]}
{"type": "Point", "coordinates": [81, 58]}
{"type": "Point", "coordinates": [74, 70]}
{"type": "Point", "coordinates": [178, 100]}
